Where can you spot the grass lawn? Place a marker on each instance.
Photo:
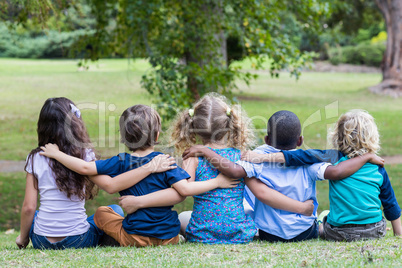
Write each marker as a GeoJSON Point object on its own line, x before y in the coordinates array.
{"type": "Point", "coordinates": [386, 252]}
{"type": "Point", "coordinates": [111, 86]}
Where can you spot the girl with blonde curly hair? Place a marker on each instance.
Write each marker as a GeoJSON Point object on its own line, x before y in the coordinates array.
{"type": "Point", "coordinates": [218, 216]}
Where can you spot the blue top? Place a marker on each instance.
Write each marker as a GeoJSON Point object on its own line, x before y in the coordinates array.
{"type": "Point", "coordinates": [159, 222]}
{"type": "Point", "coordinates": [391, 209]}
{"type": "Point", "coordinates": [218, 215]}
{"type": "Point", "coordinates": [295, 182]}
{"type": "Point", "coordinates": [354, 200]}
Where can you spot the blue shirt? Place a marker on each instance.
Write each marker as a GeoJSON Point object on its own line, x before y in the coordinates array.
{"type": "Point", "coordinates": [391, 209]}
{"type": "Point", "coordinates": [354, 200]}
{"type": "Point", "coordinates": [295, 182]}
{"type": "Point", "coordinates": [159, 222]}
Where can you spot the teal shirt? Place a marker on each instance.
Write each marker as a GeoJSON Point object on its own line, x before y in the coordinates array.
{"type": "Point", "coordinates": [355, 199]}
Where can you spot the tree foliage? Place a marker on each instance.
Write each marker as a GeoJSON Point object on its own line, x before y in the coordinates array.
{"type": "Point", "coordinates": [191, 45]}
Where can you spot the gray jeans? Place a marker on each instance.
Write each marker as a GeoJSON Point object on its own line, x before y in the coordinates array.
{"type": "Point", "coordinates": [353, 232]}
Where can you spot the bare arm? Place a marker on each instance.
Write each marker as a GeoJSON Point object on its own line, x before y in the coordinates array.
{"type": "Point", "coordinates": [75, 164]}
{"type": "Point", "coordinates": [27, 211]}
{"type": "Point", "coordinates": [159, 163]}
{"type": "Point", "coordinates": [163, 198]}
{"type": "Point", "coordinates": [224, 165]}
{"type": "Point", "coordinates": [277, 200]}
{"type": "Point", "coordinates": [191, 187]}
{"type": "Point", "coordinates": [396, 227]}
{"type": "Point", "coordinates": [347, 168]}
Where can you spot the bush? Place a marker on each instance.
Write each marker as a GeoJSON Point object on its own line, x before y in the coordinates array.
{"type": "Point", "coordinates": [26, 44]}
{"type": "Point", "coordinates": [362, 54]}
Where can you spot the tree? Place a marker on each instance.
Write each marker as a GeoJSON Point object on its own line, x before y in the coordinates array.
{"type": "Point", "coordinates": [190, 44]}
{"type": "Point", "coordinates": [392, 62]}
{"type": "Point", "coordinates": [187, 42]}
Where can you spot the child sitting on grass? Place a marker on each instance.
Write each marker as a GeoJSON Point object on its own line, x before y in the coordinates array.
{"type": "Point", "coordinates": [140, 126]}
{"type": "Point", "coordinates": [283, 133]}
{"type": "Point", "coordinates": [61, 221]}
{"type": "Point", "coordinates": [355, 202]}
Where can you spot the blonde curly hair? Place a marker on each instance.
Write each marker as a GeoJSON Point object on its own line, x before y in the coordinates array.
{"type": "Point", "coordinates": [213, 119]}
{"type": "Point", "coordinates": [355, 134]}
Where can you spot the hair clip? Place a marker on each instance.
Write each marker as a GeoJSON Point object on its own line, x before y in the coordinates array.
{"type": "Point", "coordinates": [228, 111]}
{"type": "Point", "coordinates": [75, 110]}
{"type": "Point", "coordinates": [191, 112]}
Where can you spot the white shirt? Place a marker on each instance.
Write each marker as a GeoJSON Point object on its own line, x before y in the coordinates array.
{"type": "Point", "coordinates": [58, 215]}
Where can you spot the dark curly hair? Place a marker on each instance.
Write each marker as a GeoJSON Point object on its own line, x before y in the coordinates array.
{"type": "Point", "coordinates": [59, 125]}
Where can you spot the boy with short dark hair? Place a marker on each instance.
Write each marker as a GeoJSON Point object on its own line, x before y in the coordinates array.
{"type": "Point", "coordinates": [273, 217]}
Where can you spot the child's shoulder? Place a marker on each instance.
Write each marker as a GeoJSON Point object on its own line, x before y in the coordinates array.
{"type": "Point", "coordinates": [36, 157]}
{"type": "Point", "coordinates": [266, 149]}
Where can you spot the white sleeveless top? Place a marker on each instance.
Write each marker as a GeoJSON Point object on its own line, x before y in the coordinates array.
{"type": "Point", "coordinates": [58, 215]}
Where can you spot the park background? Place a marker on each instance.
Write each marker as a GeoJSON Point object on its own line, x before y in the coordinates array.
{"type": "Point", "coordinates": [334, 57]}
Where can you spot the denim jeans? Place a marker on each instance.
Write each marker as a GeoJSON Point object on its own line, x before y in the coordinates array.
{"type": "Point", "coordinates": [88, 239]}
{"type": "Point", "coordinates": [310, 233]}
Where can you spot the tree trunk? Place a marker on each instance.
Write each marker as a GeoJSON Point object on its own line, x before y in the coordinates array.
{"type": "Point", "coordinates": [217, 56]}
{"type": "Point", "coordinates": [392, 62]}
{"type": "Point", "coordinates": [192, 83]}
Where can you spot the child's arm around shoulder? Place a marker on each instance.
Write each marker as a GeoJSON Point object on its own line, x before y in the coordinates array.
{"type": "Point", "coordinates": [277, 200]}
{"type": "Point", "coordinates": [224, 165]}
{"type": "Point", "coordinates": [346, 168]}
{"type": "Point", "coordinates": [75, 164]}
{"type": "Point", "coordinates": [159, 163]}
{"type": "Point", "coordinates": [191, 187]}
{"type": "Point", "coordinates": [162, 198]}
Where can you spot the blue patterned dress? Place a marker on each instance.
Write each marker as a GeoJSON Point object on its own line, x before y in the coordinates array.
{"type": "Point", "coordinates": [218, 216]}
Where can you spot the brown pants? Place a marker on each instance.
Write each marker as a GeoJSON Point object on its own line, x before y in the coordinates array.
{"type": "Point", "coordinates": [112, 224]}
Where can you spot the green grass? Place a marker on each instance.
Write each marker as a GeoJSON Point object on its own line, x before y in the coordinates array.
{"type": "Point", "coordinates": [26, 84]}
{"type": "Point", "coordinates": [386, 252]}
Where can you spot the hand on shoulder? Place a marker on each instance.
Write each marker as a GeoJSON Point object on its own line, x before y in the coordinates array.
{"type": "Point", "coordinates": [50, 150]}
{"type": "Point", "coordinates": [194, 151]}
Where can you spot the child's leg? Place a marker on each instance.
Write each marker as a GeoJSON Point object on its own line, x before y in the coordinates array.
{"type": "Point", "coordinates": [112, 224]}
{"type": "Point", "coordinates": [184, 219]}
{"type": "Point", "coordinates": [107, 220]}
{"type": "Point", "coordinates": [97, 233]}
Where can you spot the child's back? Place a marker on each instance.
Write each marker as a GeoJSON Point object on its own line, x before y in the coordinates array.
{"type": "Point", "coordinates": [218, 216]}
{"type": "Point", "coordinates": [158, 222]}
{"type": "Point", "coordinates": [355, 200]}
{"type": "Point", "coordinates": [297, 183]}
{"type": "Point", "coordinates": [58, 215]}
